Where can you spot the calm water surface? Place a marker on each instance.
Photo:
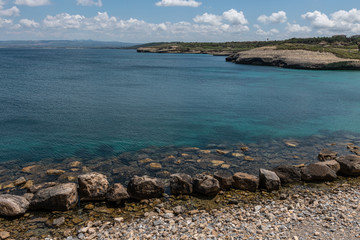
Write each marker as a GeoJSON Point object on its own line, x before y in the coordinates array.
{"type": "Point", "coordinates": [58, 103]}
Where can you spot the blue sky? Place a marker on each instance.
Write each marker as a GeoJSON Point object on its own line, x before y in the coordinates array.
{"type": "Point", "coordinates": [176, 20]}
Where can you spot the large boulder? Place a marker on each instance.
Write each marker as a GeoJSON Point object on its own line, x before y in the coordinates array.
{"type": "Point", "coordinates": [117, 193]}
{"type": "Point", "coordinates": [349, 165]}
{"type": "Point", "coordinates": [181, 183]}
{"type": "Point", "coordinates": [317, 172]}
{"type": "Point", "coordinates": [327, 154]}
{"type": "Point", "coordinates": [61, 197]}
{"type": "Point", "coordinates": [225, 179]}
{"type": "Point", "coordinates": [269, 180]}
{"type": "Point", "coordinates": [288, 173]}
{"type": "Point", "coordinates": [333, 164]}
{"type": "Point", "coordinates": [12, 205]}
{"type": "Point", "coordinates": [93, 186]}
{"type": "Point", "coordinates": [145, 187]}
{"type": "Point", "coordinates": [206, 185]}
{"type": "Point", "coordinates": [245, 181]}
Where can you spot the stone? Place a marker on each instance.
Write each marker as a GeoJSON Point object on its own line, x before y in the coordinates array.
{"type": "Point", "coordinates": [28, 184]}
{"type": "Point", "coordinates": [269, 180]}
{"type": "Point", "coordinates": [222, 152]}
{"type": "Point", "coordinates": [317, 172]}
{"type": "Point", "coordinates": [145, 187]}
{"type": "Point", "coordinates": [155, 165]}
{"type": "Point", "coordinates": [225, 179]}
{"type": "Point", "coordinates": [117, 193]}
{"type": "Point", "coordinates": [244, 181]}
{"type": "Point", "coordinates": [37, 187]}
{"type": "Point", "coordinates": [179, 210]}
{"type": "Point", "coordinates": [54, 172]}
{"type": "Point", "coordinates": [288, 173]}
{"type": "Point", "coordinates": [12, 205]}
{"type": "Point", "coordinates": [93, 186]}
{"type": "Point", "coordinates": [206, 185]}
{"type": "Point", "coordinates": [61, 197]}
{"type": "Point", "coordinates": [58, 221]}
{"type": "Point", "coordinates": [181, 183]}
{"type": "Point", "coordinates": [217, 163]}
{"type": "Point", "coordinates": [20, 181]}
{"type": "Point", "coordinates": [333, 164]}
{"type": "Point", "coordinates": [248, 158]}
{"type": "Point", "coordinates": [74, 164]}
{"type": "Point", "coordinates": [349, 165]}
{"type": "Point", "coordinates": [4, 234]}
{"type": "Point", "coordinates": [146, 160]}
{"type": "Point", "coordinates": [30, 169]}
{"type": "Point", "coordinates": [327, 154]}
{"type": "Point", "coordinates": [237, 155]}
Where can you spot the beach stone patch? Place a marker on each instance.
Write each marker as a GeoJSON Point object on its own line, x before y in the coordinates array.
{"type": "Point", "coordinates": [206, 184]}
{"type": "Point", "coordinates": [145, 187]}
{"type": "Point", "coordinates": [288, 173]}
{"type": "Point", "coordinates": [225, 179]}
{"type": "Point", "coordinates": [181, 183]}
{"type": "Point", "coordinates": [326, 154]}
{"type": "Point", "coordinates": [269, 180]}
{"type": "Point", "coordinates": [349, 165]}
{"type": "Point", "coordinates": [244, 181]}
{"type": "Point", "coordinates": [117, 193]}
{"type": "Point", "coordinates": [12, 205]}
{"type": "Point", "coordinates": [93, 186]}
{"type": "Point", "coordinates": [61, 197]}
{"type": "Point", "coordinates": [317, 172]}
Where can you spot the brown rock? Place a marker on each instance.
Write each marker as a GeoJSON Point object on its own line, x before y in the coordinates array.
{"type": "Point", "coordinates": [145, 187]}
{"type": "Point", "coordinates": [269, 180]}
{"type": "Point", "coordinates": [54, 172]}
{"type": "Point", "coordinates": [206, 184]}
{"type": "Point", "coordinates": [19, 181]}
{"type": "Point", "coordinates": [181, 183]}
{"type": "Point", "coordinates": [11, 205]}
{"type": "Point", "coordinates": [4, 235]}
{"type": "Point", "coordinates": [93, 186]}
{"type": "Point", "coordinates": [117, 193]}
{"type": "Point", "coordinates": [288, 173]}
{"type": "Point", "coordinates": [245, 181]}
{"type": "Point", "coordinates": [37, 187]}
{"type": "Point", "coordinates": [225, 179]}
{"type": "Point", "coordinates": [349, 165]}
{"type": "Point", "coordinates": [326, 154]}
{"type": "Point", "coordinates": [317, 172]}
{"type": "Point", "coordinates": [30, 169]}
{"type": "Point", "coordinates": [333, 164]}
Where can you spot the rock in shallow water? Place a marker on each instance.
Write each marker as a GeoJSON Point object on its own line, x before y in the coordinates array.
{"type": "Point", "coordinates": [206, 184]}
{"type": "Point", "coordinates": [145, 187]}
{"type": "Point", "coordinates": [11, 205]}
{"type": "Point", "coordinates": [93, 186]}
{"type": "Point", "coordinates": [244, 181]}
{"type": "Point", "coordinates": [269, 180]}
{"type": "Point", "coordinates": [117, 193]}
{"type": "Point", "coordinates": [349, 165]}
{"type": "Point", "coordinates": [318, 172]}
{"type": "Point", "coordinates": [288, 173]}
{"type": "Point", "coordinates": [225, 179]}
{"type": "Point", "coordinates": [181, 183]}
{"type": "Point", "coordinates": [326, 154]}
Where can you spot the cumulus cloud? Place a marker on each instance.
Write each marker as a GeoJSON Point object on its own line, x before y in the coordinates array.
{"type": "Point", "coordinates": [208, 18]}
{"type": "Point", "coordinates": [235, 17]}
{"type": "Point", "coordinates": [318, 19]}
{"type": "Point", "coordinates": [296, 28]}
{"type": "Point", "coordinates": [89, 3]}
{"type": "Point", "coordinates": [178, 3]}
{"type": "Point", "coordinates": [5, 23]}
{"type": "Point", "coordinates": [64, 20]}
{"type": "Point", "coordinates": [14, 11]}
{"type": "Point", "coordinates": [32, 3]}
{"type": "Point", "coordinates": [261, 32]}
{"type": "Point", "coordinates": [29, 23]}
{"type": "Point", "coordinates": [275, 18]}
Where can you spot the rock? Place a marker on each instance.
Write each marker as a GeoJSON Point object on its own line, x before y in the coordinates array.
{"type": "Point", "coordinates": [222, 152]}
{"type": "Point", "coordinates": [145, 187]}
{"type": "Point", "coordinates": [206, 184]}
{"type": "Point", "coordinates": [333, 164]}
{"type": "Point", "coordinates": [11, 205]}
{"type": "Point", "coordinates": [248, 158]}
{"type": "Point", "coordinates": [93, 186]}
{"type": "Point", "coordinates": [58, 221]}
{"type": "Point", "coordinates": [326, 154]}
{"type": "Point", "coordinates": [54, 172]}
{"type": "Point", "coordinates": [245, 181]}
{"type": "Point", "coordinates": [19, 181]}
{"type": "Point", "coordinates": [30, 169]}
{"type": "Point", "coordinates": [28, 196]}
{"type": "Point", "coordinates": [217, 163]}
{"type": "Point", "coordinates": [61, 197]}
{"type": "Point", "coordinates": [288, 173]}
{"type": "Point", "coordinates": [237, 155]}
{"type": "Point", "coordinates": [37, 187]}
{"type": "Point", "coordinates": [349, 165]}
{"type": "Point", "coordinates": [74, 164]}
{"type": "Point", "coordinates": [4, 234]}
{"type": "Point", "coordinates": [181, 183]}
{"type": "Point", "coordinates": [28, 184]}
{"type": "Point", "coordinates": [225, 179]}
{"type": "Point", "coordinates": [155, 165]}
{"type": "Point", "coordinates": [317, 172]}
{"type": "Point", "coordinates": [269, 180]}
{"type": "Point", "coordinates": [179, 210]}
{"type": "Point", "coordinates": [117, 193]}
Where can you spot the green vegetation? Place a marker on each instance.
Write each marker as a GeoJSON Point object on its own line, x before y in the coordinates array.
{"type": "Point", "coordinates": [340, 45]}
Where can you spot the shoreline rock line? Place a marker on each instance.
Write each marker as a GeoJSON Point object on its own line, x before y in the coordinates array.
{"type": "Point", "coordinates": [95, 186]}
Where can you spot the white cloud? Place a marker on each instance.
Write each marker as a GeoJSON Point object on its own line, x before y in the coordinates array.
{"type": "Point", "coordinates": [296, 28]}
{"type": "Point", "coordinates": [261, 32]}
{"type": "Point", "coordinates": [14, 11]}
{"type": "Point", "coordinates": [5, 23]}
{"type": "Point", "coordinates": [89, 3]}
{"type": "Point", "coordinates": [63, 20]}
{"type": "Point", "coordinates": [352, 16]}
{"type": "Point", "coordinates": [178, 3]}
{"type": "Point", "coordinates": [208, 18]}
{"type": "Point", "coordinates": [32, 3]}
{"type": "Point", "coordinates": [278, 17]}
{"type": "Point", "coordinates": [318, 19]}
{"type": "Point", "coordinates": [29, 23]}
{"type": "Point", "coordinates": [235, 17]}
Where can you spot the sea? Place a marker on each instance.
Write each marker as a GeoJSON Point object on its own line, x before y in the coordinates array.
{"type": "Point", "coordinates": [57, 104]}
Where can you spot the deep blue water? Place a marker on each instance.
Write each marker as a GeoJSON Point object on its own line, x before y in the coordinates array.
{"type": "Point", "coordinates": [55, 103]}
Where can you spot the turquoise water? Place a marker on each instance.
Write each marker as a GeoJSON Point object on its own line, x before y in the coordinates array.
{"type": "Point", "coordinates": [56, 103]}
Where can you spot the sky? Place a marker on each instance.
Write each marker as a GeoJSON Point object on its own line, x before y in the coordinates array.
{"type": "Point", "coordinates": [141, 21]}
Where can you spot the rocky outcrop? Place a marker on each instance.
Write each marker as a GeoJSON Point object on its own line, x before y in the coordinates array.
{"type": "Point", "coordinates": [225, 179]}
{"type": "Point", "coordinates": [245, 181]}
{"type": "Point", "coordinates": [206, 185]}
{"type": "Point", "coordinates": [269, 180]}
{"type": "Point", "coordinates": [145, 187]}
{"type": "Point", "coordinates": [349, 165]}
{"type": "Point", "coordinates": [61, 197]}
{"type": "Point", "coordinates": [93, 186]}
{"type": "Point", "coordinates": [181, 183]}
{"type": "Point", "coordinates": [326, 155]}
{"type": "Point", "coordinates": [117, 193]}
{"type": "Point", "coordinates": [333, 164]}
{"type": "Point", "coordinates": [298, 59]}
{"type": "Point", "coordinates": [11, 205]}
{"type": "Point", "coordinates": [318, 172]}
{"type": "Point", "coordinates": [288, 173]}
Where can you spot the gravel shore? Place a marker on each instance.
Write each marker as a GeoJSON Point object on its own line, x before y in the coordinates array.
{"type": "Point", "coordinates": [323, 211]}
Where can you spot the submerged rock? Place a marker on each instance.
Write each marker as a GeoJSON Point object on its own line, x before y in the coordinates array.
{"type": "Point", "coordinates": [269, 180]}
{"type": "Point", "coordinates": [225, 179]}
{"type": "Point", "coordinates": [117, 193]}
{"type": "Point", "coordinates": [349, 165]}
{"type": "Point", "coordinates": [181, 183]}
{"type": "Point", "coordinates": [145, 187]}
{"type": "Point", "coordinates": [244, 181]}
{"type": "Point", "coordinates": [288, 173]}
{"type": "Point", "coordinates": [318, 172]}
{"type": "Point", "coordinates": [12, 205]}
{"type": "Point", "coordinates": [326, 154]}
{"type": "Point", "coordinates": [93, 186]}
{"type": "Point", "coordinates": [206, 184]}
{"type": "Point", "coordinates": [61, 197]}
